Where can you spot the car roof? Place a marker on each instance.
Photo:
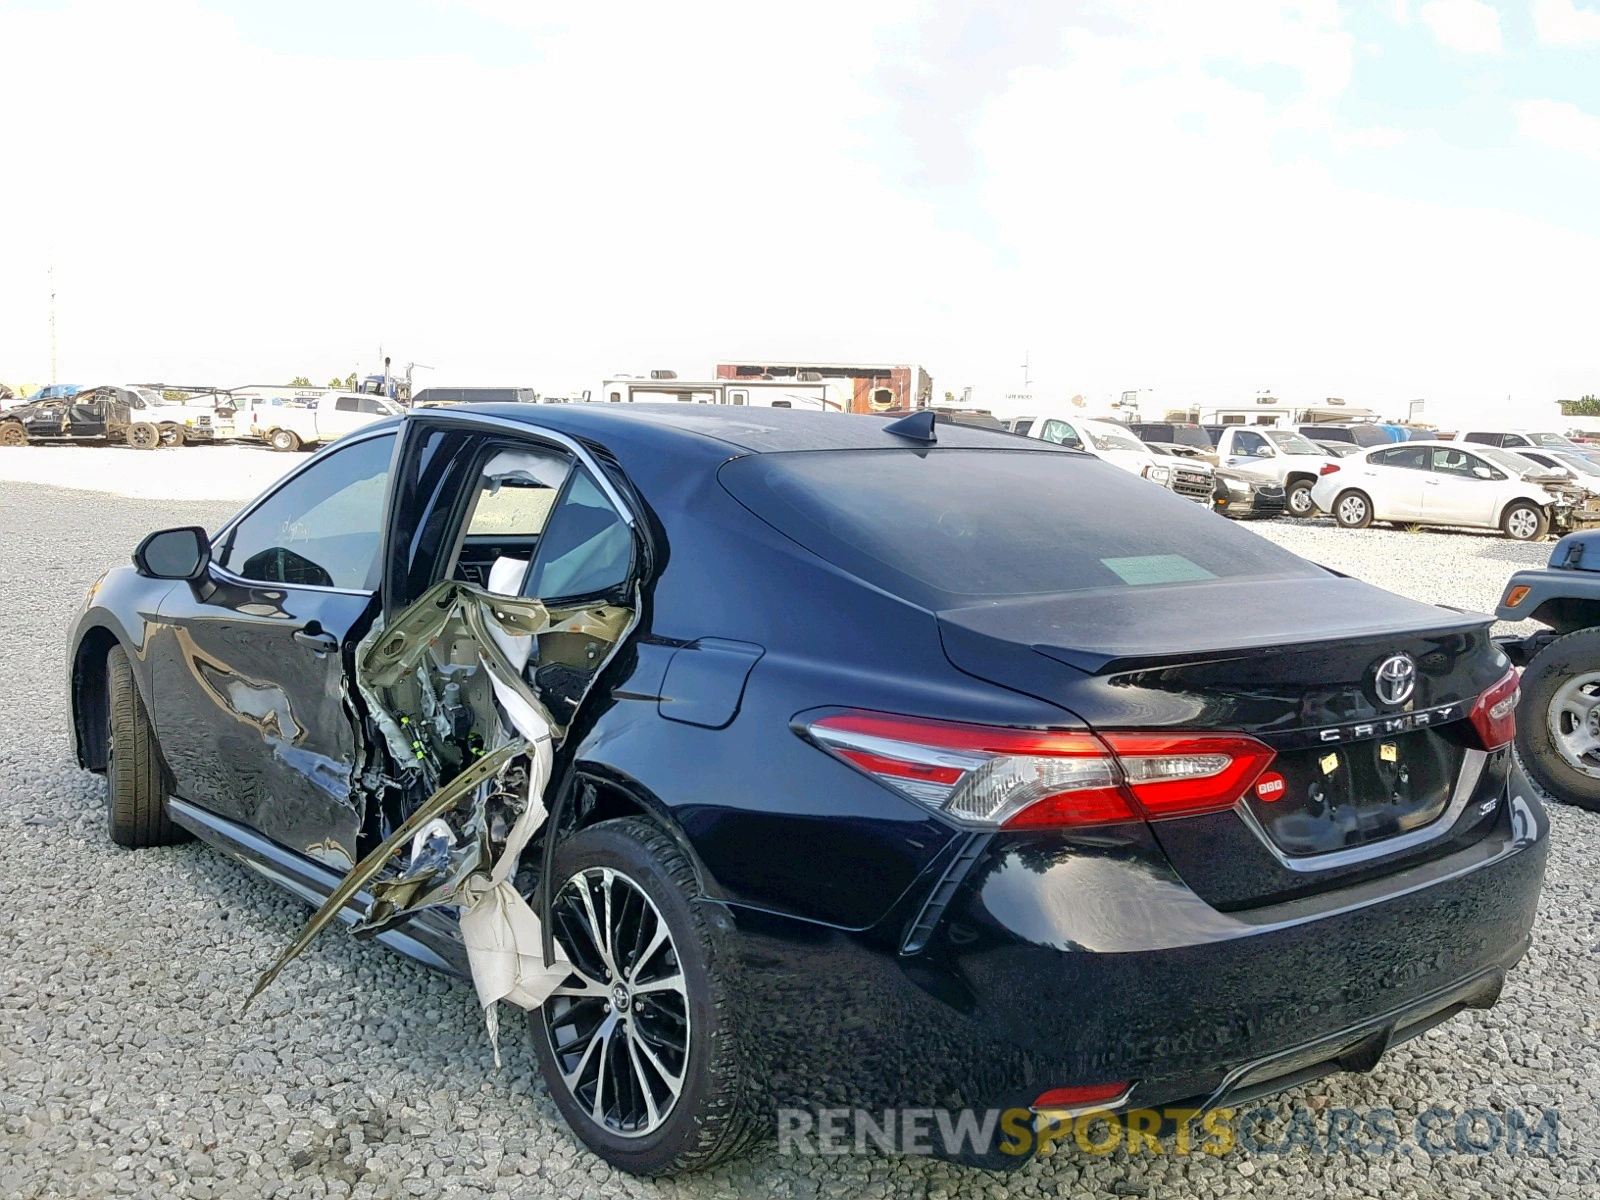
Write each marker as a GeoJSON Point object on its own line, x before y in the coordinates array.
{"type": "Point", "coordinates": [755, 429]}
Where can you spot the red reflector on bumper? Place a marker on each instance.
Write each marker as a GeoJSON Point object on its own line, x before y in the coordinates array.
{"type": "Point", "coordinates": [1075, 1097]}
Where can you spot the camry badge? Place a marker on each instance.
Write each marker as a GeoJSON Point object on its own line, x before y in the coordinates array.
{"type": "Point", "coordinates": [1395, 679]}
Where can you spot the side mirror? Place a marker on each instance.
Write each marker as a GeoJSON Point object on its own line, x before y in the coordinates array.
{"type": "Point", "coordinates": [1483, 472]}
{"type": "Point", "coordinates": [182, 553]}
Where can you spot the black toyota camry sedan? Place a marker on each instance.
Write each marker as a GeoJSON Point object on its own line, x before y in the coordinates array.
{"type": "Point", "coordinates": [833, 760]}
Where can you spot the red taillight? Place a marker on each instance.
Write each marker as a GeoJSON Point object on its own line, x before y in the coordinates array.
{"type": "Point", "coordinates": [1174, 775]}
{"type": "Point", "coordinates": [1494, 713]}
{"type": "Point", "coordinates": [1038, 779]}
{"type": "Point", "coordinates": [1076, 1097]}
{"type": "Point", "coordinates": [1327, 468]}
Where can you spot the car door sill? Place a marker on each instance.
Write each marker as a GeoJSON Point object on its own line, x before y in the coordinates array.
{"type": "Point", "coordinates": [431, 936]}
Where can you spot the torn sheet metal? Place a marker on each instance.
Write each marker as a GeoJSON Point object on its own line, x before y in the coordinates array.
{"type": "Point", "coordinates": [444, 682]}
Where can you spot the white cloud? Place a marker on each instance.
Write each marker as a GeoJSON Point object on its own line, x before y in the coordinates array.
{"type": "Point", "coordinates": [1468, 26]}
{"type": "Point", "coordinates": [1559, 124]}
{"type": "Point", "coordinates": [1564, 23]}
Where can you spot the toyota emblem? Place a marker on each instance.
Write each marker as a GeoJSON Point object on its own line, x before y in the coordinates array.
{"type": "Point", "coordinates": [1395, 679]}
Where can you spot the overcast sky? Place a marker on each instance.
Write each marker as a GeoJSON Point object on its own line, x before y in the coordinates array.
{"type": "Point", "coordinates": [1378, 200]}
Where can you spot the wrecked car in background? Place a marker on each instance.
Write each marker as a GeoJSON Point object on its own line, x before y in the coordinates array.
{"type": "Point", "coordinates": [773, 759]}
{"type": "Point", "coordinates": [100, 414]}
{"type": "Point", "coordinates": [1445, 483]}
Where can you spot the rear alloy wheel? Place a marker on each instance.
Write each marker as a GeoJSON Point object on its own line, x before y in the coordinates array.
{"type": "Point", "coordinates": [13, 434]}
{"type": "Point", "coordinates": [285, 440]}
{"type": "Point", "coordinates": [1524, 522]}
{"type": "Point", "coordinates": [136, 793]}
{"type": "Point", "coordinates": [1353, 510]}
{"type": "Point", "coordinates": [1297, 500]}
{"type": "Point", "coordinates": [1558, 719]}
{"type": "Point", "coordinates": [143, 436]}
{"type": "Point", "coordinates": [639, 1047]}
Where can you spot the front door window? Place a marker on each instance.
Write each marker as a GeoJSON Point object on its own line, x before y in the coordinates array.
{"type": "Point", "coordinates": [322, 528]}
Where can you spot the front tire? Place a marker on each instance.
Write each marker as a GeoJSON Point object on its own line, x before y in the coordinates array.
{"type": "Point", "coordinates": [640, 1047]}
{"type": "Point", "coordinates": [1558, 719]}
{"type": "Point", "coordinates": [12, 433]}
{"type": "Point", "coordinates": [284, 440]}
{"type": "Point", "coordinates": [144, 436]}
{"type": "Point", "coordinates": [136, 792]}
{"type": "Point", "coordinates": [1297, 500]}
{"type": "Point", "coordinates": [1524, 522]}
{"type": "Point", "coordinates": [1353, 510]}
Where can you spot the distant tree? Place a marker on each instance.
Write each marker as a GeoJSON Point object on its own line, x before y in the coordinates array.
{"type": "Point", "coordinates": [350, 382]}
{"type": "Point", "coordinates": [1587, 406]}
{"type": "Point", "coordinates": [336, 382]}
{"type": "Point", "coordinates": [949, 397]}
{"type": "Point", "coordinates": [299, 381]}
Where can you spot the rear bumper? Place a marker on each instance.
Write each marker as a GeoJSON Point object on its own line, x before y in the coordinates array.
{"type": "Point", "coordinates": [1059, 963]}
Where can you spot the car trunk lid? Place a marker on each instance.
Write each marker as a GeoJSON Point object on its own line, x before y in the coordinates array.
{"type": "Point", "coordinates": [1363, 777]}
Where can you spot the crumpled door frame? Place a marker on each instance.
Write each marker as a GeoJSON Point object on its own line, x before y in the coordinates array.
{"type": "Point", "coordinates": [502, 933]}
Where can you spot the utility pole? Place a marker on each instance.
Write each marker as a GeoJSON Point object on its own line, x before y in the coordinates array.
{"type": "Point", "coordinates": [52, 323]}
{"type": "Point", "coordinates": [1027, 379]}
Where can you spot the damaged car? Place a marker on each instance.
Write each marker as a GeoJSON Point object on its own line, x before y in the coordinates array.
{"type": "Point", "coordinates": [766, 759]}
{"type": "Point", "coordinates": [101, 414]}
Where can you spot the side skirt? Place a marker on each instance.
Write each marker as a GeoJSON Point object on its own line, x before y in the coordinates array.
{"type": "Point", "coordinates": [431, 937]}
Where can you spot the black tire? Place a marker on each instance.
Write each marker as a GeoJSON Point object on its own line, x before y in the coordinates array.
{"type": "Point", "coordinates": [1297, 499]}
{"type": "Point", "coordinates": [12, 433]}
{"type": "Point", "coordinates": [136, 793]}
{"type": "Point", "coordinates": [143, 436]}
{"type": "Point", "coordinates": [711, 1119]}
{"type": "Point", "coordinates": [1352, 509]}
{"type": "Point", "coordinates": [1560, 661]}
{"type": "Point", "coordinates": [284, 440]}
{"type": "Point", "coordinates": [1516, 524]}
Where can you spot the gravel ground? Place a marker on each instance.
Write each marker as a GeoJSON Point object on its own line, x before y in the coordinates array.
{"type": "Point", "coordinates": [126, 1067]}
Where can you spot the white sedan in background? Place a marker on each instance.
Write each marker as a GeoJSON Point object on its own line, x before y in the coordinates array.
{"type": "Point", "coordinates": [1442, 483]}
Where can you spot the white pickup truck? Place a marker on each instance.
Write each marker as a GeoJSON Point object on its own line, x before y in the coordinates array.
{"type": "Point", "coordinates": [291, 425]}
{"type": "Point", "coordinates": [1280, 455]}
{"type": "Point", "coordinates": [1189, 478]}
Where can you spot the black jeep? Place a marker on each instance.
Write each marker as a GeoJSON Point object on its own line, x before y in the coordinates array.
{"type": "Point", "coordinates": [1558, 718]}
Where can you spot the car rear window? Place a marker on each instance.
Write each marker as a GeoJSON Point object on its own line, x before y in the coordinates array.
{"type": "Point", "coordinates": [945, 527]}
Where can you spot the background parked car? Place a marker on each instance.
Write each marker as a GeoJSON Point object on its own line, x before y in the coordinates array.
{"type": "Point", "coordinates": [292, 426]}
{"type": "Point", "coordinates": [1444, 483]}
{"type": "Point", "coordinates": [1558, 716]}
{"type": "Point", "coordinates": [1356, 434]}
{"type": "Point", "coordinates": [1183, 433]}
{"type": "Point", "coordinates": [1280, 455]}
{"type": "Point", "coordinates": [1526, 439]}
{"type": "Point", "coordinates": [1117, 445]}
{"type": "Point", "coordinates": [1580, 468]}
{"type": "Point", "coordinates": [1233, 493]}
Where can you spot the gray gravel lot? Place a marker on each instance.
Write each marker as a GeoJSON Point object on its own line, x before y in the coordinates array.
{"type": "Point", "coordinates": [126, 1067]}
